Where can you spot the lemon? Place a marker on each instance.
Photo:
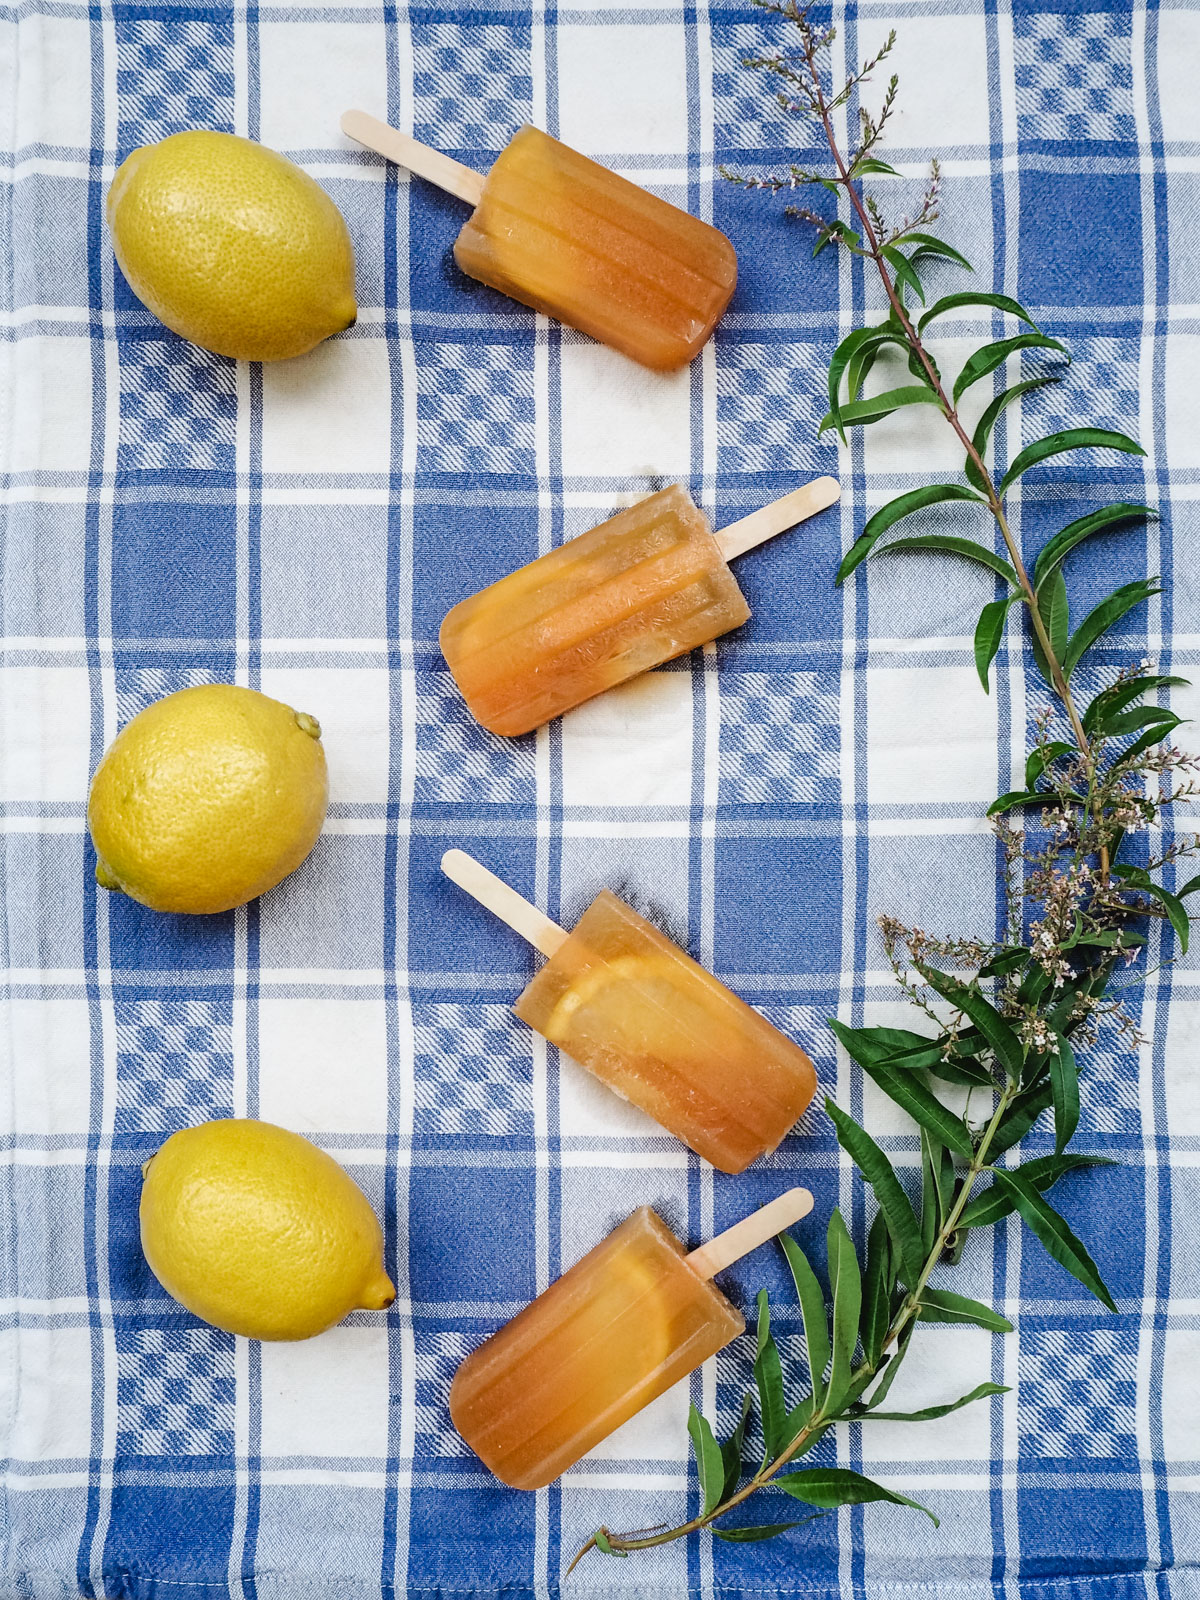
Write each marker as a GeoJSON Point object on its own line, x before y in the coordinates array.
{"type": "Point", "coordinates": [232, 245]}
{"type": "Point", "coordinates": [257, 1231]}
{"type": "Point", "coordinates": [207, 798]}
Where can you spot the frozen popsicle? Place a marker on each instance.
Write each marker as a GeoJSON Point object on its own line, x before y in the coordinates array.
{"type": "Point", "coordinates": [634, 1009]}
{"type": "Point", "coordinates": [618, 1329]}
{"type": "Point", "coordinates": [568, 237]}
{"type": "Point", "coordinates": [644, 587]}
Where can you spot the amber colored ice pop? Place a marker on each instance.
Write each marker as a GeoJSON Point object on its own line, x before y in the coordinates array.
{"type": "Point", "coordinates": [568, 237]}
{"type": "Point", "coordinates": [634, 1009]}
{"type": "Point", "coordinates": [650, 584]}
{"type": "Point", "coordinates": [613, 1333]}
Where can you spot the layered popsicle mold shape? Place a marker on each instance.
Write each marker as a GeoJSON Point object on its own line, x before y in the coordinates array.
{"type": "Point", "coordinates": [627, 1003]}
{"type": "Point", "coordinates": [564, 235]}
{"type": "Point", "coordinates": [631, 1318]}
{"type": "Point", "coordinates": [650, 584]}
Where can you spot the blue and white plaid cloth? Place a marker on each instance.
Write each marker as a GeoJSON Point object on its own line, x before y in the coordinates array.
{"type": "Point", "coordinates": [173, 518]}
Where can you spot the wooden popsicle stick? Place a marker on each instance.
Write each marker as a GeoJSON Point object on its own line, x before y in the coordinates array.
{"type": "Point", "coordinates": [749, 1233]}
{"type": "Point", "coordinates": [503, 902]}
{"type": "Point", "coordinates": [778, 517]}
{"type": "Point", "coordinates": [463, 182]}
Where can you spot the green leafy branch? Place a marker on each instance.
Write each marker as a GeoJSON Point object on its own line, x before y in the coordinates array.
{"type": "Point", "coordinates": [1009, 1015]}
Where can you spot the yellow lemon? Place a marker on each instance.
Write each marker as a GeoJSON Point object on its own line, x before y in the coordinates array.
{"type": "Point", "coordinates": [207, 798]}
{"type": "Point", "coordinates": [257, 1231]}
{"type": "Point", "coordinates": [232, 245]}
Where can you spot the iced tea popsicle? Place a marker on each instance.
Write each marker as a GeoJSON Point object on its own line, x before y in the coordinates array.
{"type": "Point", "coordinates": [650, 584]}
{"type": "Point", "coordinates": [634, 1009]}
{"type": "Point", "coordinates": [613, 1333]}
{"type": "Point", "coordinates": [568, 237]}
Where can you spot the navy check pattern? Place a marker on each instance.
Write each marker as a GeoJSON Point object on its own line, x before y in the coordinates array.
{"type": "Point", "coordinates": [170, 519]}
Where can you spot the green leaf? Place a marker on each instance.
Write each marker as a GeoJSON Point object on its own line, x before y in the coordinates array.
{"type": "Point", "coordinates": [932, 1413]}
{"type": "Point", "coordinates": [1008, 959]}
{"type": "Point", "coordinates": [938, 1305]}
{"type": "Point", "coordinates": [859, 369]}
{"type": "Point", "coordinates": [891, 1367]}
{"type": "Point", "coordinates": [1055, 612]}
{"type": "Point", "coordinates": [1055, 444]}
{"type": "Point", "coordinates": [1099, 620]}
{"type": "Point", "coordinates": [1057, 548]}
{"type": "Point", "coordinates": [983, 428]}
{"type": "Point", "coordinates": [768, 1375]}
{"type": "Point", "coordinates": [954, 546]}
{"type": "Point", "coordinates": [982, 1013]}
{"type": "Point", "coordinates": [1121, 723]}
{"type": "Point", "coordinates": [1019, 1118]}
{"type": "Point", "coordinates": [601, 1541]}
{"type": "Point", "coordinates": [976, 297]}
{"type": "Point", "coordinates": [860, 340]}
{"type": "Point", "coordinates": [1042, 1172]}
{"type": "Point", "coordinates": [929, 245]}
{"type": "Point", "coordinates": [751, 1535]}
{"type": "Point", "coordinates": [871, 164]}
{"type": "Point", "coordinates": [878, 1283]}
{"type": "Point", "coordinates": [989, 636]}
{"type": "Point", "coordinates": [1014, 798]}
{"type": "Point", "coordinates": [1064, 1087]}
{"type": "Point", "coordinates": [1137, 878]}
{"type": "Point", "coordinates": [1044, 756]}
{"type": "Point", "coordinates": [931, 1199]}
{"type": "Point", "coordinates": [860, 412]}
{"type": "Point", "coordinates": [883, 1044]}
{"type": "Point", "coordinates": [731, 1452]}
{"type": "Point", "coordinates": [838, 1486]}
{"type": "Point", "coordinates": [903, 272]}
{"type": "Point", "coordinates": [1145, 742]}
{"type": "Point", "coordinates": [991, 356]}
{"type": "Point", "coordinates": [877, 1170]}
{"type": "Point", "coordinates": [1046, 1224]}
{"type": "Point", "coordinates": [922, 1106]}
{"type": "Point", "coordinates": [812, 1310]}
{"type": "Point", "coordinates": [887, 516]}
{"type": "Point", "coordinates": [710, 1467]}
{"type": "Point", "coordinates": [1189, 887]}
{"type": "Point", "coordinates": [845, 1285]}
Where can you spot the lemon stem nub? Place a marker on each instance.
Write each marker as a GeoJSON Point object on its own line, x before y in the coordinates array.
{"type": "Point", "coordinates": [308, 725]}
{"type": "Point", "coordinates": [105, 878]}
{"type": "Point", "coordinates": [378, 1294]}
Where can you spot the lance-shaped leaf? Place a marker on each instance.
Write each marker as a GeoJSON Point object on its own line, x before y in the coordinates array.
{"type": "Point", "coordinates": [768, 1375]}
{"type": "Point", "coordinates": [1055, 612]}
{"type": "Point", "coordinates": [989, 636]}
{"type": "Point", "coordinates": [1019, 1118]}
{"type": "Point", "coordinates": [1104, 616]}
{"type": "Point", "coordinates": [1044, 756]}
{"type": "Point", "coordinates": [812, 1310]}
{"type": "Point", "coordinates": [1138, 878]}
{"type": "Point", "coordinates": [1064, 1086]}
{"type": "Point", "coordinates": [976, 297]}
{"type": "Point", "coordinates": [867, 166]}
{"type": "Point", "coordinates": [1124, 722]}
{"type": "Point", "coordinates": [1046, 1224]}
{"type": "Point", "coordinates": [893, 1201]}
{"type": "Point", "coordinates": [929, 245]}
{"type": "Point", "coordinates": [1015, 798]}
{"type": "Point", "coordinates": [932, 1413]}
{"type": "Point", "coordinates": [1042, 1172]}
{"type": "Point", "coordinates": [710, 1468]}
{"type": "Point", "coordinates": [1069, 439]}
{"type": "Point", "coordinates": [860, 412]}
{"type": "Point", "coordinates": [731, 1451]}
{"type": "Point", "coordinates": [1057, 548]}
{"type": "Point", "coordinates": [838, 1486]}
{"type": "Point", "coordinates": [891, 1366]}
{"type": "Point", "coordinates": [983, 428]}
{"type": "Point", "coordinates": [853, 344]}
{"type": "Point", "coordinates": [845, 1284]}
{"type": "Point", "coordinates": [1144, 742]}
{"type": "Point", "coordinates": [995, 355]}
{"type": "Point", "coordinates": [923, 1106]}
{"type": "Point", "coordinates": [982, 1013]}
{"type": "Point", "coordinates": [1189, 887]}
{"type": "Point", "coordinates": [905, 276]}
{"type": "Point", "coordinates": [878, 1284]}
{"type": "Point", "coordinates": [752, 1534]}
{"type": "Point", "coordinates": [939, 1305]}
{"type": "Point", "coordinates": [951, 544]}
{"type": "Point", "coordinates": [857, 373]}
{"type": "Point", "coordinates": [887, 516]}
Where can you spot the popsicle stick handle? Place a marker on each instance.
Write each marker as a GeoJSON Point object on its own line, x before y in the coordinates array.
{"type": "Point", "coordinates": [503, 902]}
{"type": "Point", "coordinates": [778, 517]}
{"type": "Point", "coordinates": [749, 1233]}
{"type": "Point", "coordinates": [448, 174]}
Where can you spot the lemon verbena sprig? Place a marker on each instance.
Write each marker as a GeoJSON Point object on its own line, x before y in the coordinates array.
{"type": "Point", "coordinates": [1007, 1015]}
